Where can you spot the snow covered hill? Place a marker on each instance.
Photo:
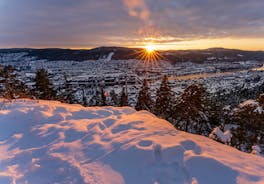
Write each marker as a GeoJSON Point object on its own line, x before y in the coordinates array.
{"type": "Point", "coordinates": [50, 142]}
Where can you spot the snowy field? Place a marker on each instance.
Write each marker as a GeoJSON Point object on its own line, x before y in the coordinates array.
{"type": "Point", "coordinates": [50, 142]}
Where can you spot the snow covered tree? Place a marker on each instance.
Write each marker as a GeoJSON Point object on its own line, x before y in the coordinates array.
{"type": "Point", "coordinates": [164, 99]}
{"type": "Point", "coordinates": [220, 136]}
{"type": "Point", "coordinates": [191, 110]}
{"type": "Point", "coordinates": [248, 117]}
{"type": "Point", "coordinates": [43, 88]}
{"type": "Point", "coordinates": [123, 98]}
{"type": "Point", "coordinates": [226, 114]}
{"type": "Point", "coordinates": [255, 150]}
{"type": "Point", "coordinates": [10, 86]}
{"type": "Point", "coordinates": [144, 101]}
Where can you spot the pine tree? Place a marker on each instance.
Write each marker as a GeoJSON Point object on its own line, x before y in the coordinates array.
{"type": "Point", "coordinates": [10, 86]}
{"type": "Point", "coordinates": [43, 87]}
{"type": "Point", "coordinates": [144, 101]}
{"type": "Point", "coordinates": [113, 98]}
{"type": "Point", "coordinates": [97, 98]}
{"type": "Point", "coordinates": [103, 97]}
{"type": "Point", "coordinates": [164, 99]}
{"type": "Point", "coordinates": [215, 108]}
{"type": "Point", "coordinates": [249, 117]}
{"type": "Point", "coordinates": [123, 98]}
{"type": "Point", "coordinates": [191, 110]}
{"type": "Point", "coordinates": [84, 99]}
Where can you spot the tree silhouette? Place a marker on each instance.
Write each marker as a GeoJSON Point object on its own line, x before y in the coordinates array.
{"type": "Point", "coordinates": [43, 87]}
{"type": "Point", "coordinates": [191, 110]}
{"type": "Point", "coordinates": [164, 99]}
{"type": "Point", "coordinates": [144, 101]}
{"type": "Point", "coordinates": [123, 98]}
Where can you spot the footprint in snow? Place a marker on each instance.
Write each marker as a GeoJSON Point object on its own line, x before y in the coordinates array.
{"type": "Point", "coordinates": [157, 152]}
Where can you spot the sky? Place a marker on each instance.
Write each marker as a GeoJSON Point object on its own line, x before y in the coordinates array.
{"type": "Point", "coordinates": [167, 24]}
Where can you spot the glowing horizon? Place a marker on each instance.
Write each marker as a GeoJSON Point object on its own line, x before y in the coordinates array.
{"type": "Point", "coordinates": [168, 43]}
{"type": "Point", "coordinates": [228, 43]}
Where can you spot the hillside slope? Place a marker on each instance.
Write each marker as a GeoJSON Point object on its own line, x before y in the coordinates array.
{"type": "Point", "coordinates": [50, 142]}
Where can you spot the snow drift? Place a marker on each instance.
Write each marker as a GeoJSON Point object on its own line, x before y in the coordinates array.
{"type": "Point", "coordinates": [51, 142]}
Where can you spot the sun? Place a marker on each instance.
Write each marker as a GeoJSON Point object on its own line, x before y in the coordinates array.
{"type": "Point", "coordinates": [149, 54]}
{"type": "Point", "coordinates": [150, 48]}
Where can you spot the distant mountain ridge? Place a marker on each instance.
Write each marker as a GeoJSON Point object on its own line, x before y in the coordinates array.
{"type": "Point", "coordinates": [123, 53]}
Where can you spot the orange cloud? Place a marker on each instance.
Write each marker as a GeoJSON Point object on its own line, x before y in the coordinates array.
{"type": "Point", "coordinates": [137, 8]}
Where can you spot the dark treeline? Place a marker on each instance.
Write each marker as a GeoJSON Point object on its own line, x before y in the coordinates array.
{"type": "Point", "coordinates": [194, 110]}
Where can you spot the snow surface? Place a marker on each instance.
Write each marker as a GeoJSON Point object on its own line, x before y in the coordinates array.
{"type": "Point", "coordinates": [50, 142]}
{"type": "Point", "coordinates": [109, 57]}
{"type": "Point", "coordinates": [224, 137]}
{"type": "Point", "coordinates": [252, 103]}
{"type": "Point", "coordinates": [248, 103]}
{"type": "Point", "coordinates": [256, 150]}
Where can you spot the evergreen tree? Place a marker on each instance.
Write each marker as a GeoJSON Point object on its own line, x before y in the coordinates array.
{"type": "Point", "coordinates": [226, 116]}
{"type": "Point", "coordinates": [249, 117]}
{"type": "Point", "coordinates": [97, 98]}
{"type": "Point", "coordinates": [84, 99]}
{"type": "Point", "coordinates": [123, 98]}
{"type": "Point", "coordinates": [43, 87]}
{"type": "Point", "coordinates": [164, 99]}
{"type": "Point", "coordinates": [215, 108]}
{"type": "Point", "coordinates": [144, 101]}
{"type": "Point", "coordinates": [10, 86]}
{"type": "Point", "coordinates": [113, 98]}
{"type": "Point", "coordinates": [103, 97]}
{"type": "Point", "coordinates": [191, 110]}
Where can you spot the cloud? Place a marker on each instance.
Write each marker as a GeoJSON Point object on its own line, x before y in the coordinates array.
{"type": "Point", "coordinates": [90, 23]}
{"type": "Point", "coordinates": [204, 18]}
{"type": "Point", "coordinates": [137, 8]}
